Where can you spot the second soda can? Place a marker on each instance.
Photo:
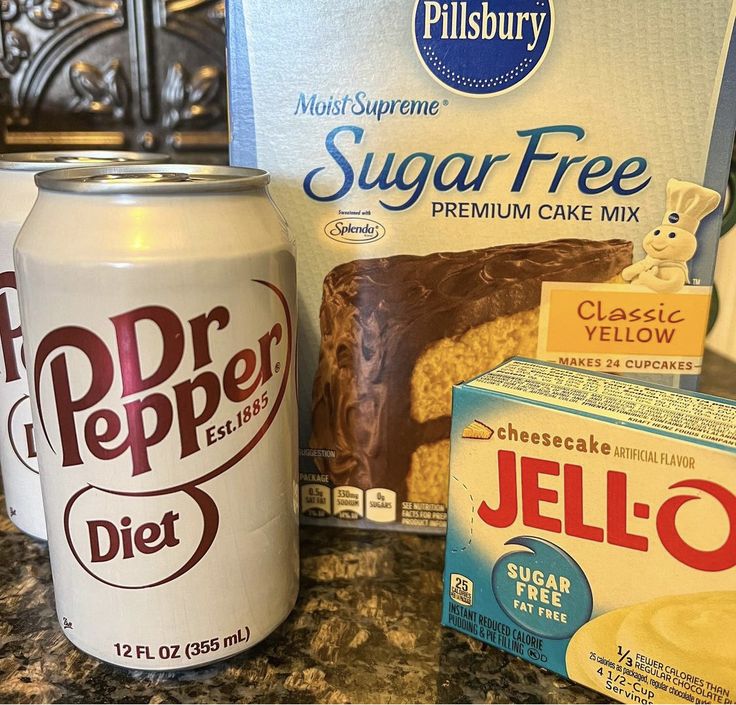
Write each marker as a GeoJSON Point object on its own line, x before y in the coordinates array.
{"type": "Point", "coordinates": [158, 308]}
{"type": "Point", "coordinates": [17, 446]}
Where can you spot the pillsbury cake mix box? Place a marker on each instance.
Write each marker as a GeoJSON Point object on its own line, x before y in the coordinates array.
{"type": "Point", "coordinates": [592, 530]}
{"type": "Point", "coordinates": [467, 181]}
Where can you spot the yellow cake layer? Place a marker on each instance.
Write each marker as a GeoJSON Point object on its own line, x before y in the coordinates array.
{"type": "Point", "coordinates": [427, 479]}
{"type": "Point", "coordinates": [454, 360]}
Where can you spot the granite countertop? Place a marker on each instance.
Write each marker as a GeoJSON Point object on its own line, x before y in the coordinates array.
{"type": "Point", "coordinates": [365, 629]}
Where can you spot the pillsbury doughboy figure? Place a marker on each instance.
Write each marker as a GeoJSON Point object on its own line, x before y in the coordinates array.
{"type": "Point", "coordinates": [672, 244]}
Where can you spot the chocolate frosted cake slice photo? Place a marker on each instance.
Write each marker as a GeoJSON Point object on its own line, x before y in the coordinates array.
{"type": "Point", "coordinates": [398, 332]}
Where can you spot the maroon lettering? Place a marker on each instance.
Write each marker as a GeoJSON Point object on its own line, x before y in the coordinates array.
{"type": "Point", "coordinates": [153, 345]}
{"type": "Point", "coordinates": [113, 542]}
{"type": "Point", "coordinates": [30, 441]}
{"type": "Point", "coordinates": [232, 381]}
{"type": "Point", "coordinates": [101, 372]}
{"type": "Point", "coordinates": [139, 424]}
{"type": "Point", "coordinates": [109, 540]}
{"type": "Point", "coordinates": [8, 332]}
{"type": "Point", "coordinates": [95, 434]}
{"type": "Point", "coordinates": [200, 338]}
{"type": "Point", "coordinates": [171, 336]}
{"type": "Point", "coordinates": [138, 440]}
{"type": "Point", "coordinates": [266, 343]}
{"type": "Point", "coordinates": [189, 419]}
{"type": "Point", "coordinates": [148, 538]}
{"type": "Point", "coordinates": [104, 426]}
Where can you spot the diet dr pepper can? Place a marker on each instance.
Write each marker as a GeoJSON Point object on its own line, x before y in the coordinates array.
{"type": "Point", "coordinates": [158, 306]}
{"type": "Point", "coordinates": [17, 448]}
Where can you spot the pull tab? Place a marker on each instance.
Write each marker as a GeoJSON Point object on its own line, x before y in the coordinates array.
{"type": "Point", "coordinates": [151, 177]}
{"type": "Point", "coordinates": [88, 160]}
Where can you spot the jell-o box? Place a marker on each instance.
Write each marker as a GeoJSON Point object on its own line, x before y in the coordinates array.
{"type": "Point", "coordinates": [592, 529]}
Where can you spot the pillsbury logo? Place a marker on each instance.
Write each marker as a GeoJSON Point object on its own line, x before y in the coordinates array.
{"type": "Point", "coordinates": [483, 48]}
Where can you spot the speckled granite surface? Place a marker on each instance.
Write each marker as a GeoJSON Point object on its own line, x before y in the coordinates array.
{"type": "Point", "coordinates": [365, 629]}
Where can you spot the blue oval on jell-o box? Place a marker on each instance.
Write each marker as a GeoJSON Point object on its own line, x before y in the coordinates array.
{"type": "Point", "coordinates": [592, 529]}
{"type": "Point", "coordinates": [468, 181]}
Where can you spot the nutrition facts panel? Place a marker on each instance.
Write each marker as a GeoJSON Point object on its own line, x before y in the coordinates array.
{"type": "Point", "coordinates": [694, 416]}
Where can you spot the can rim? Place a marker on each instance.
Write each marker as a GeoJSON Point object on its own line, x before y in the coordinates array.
{"type": "Point", "coordinates": [187, 178]}
{"type": "Point", "coordinates": [63, 159]}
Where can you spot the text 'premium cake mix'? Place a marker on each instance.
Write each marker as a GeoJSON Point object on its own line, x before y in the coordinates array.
{"type": "Point", "coordinates": [473, 180]}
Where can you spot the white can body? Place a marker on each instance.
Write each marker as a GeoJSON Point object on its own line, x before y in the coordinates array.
{"type": "Point", "coordinates": [162, 347]}
{"type": "Point", "coordinates": [17, 446]}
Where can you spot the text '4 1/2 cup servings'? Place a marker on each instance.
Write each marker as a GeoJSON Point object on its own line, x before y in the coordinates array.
{"type": "Point", "coordinates": [17, 445]}
{"type": "Point", "coordinates": [159, 319]}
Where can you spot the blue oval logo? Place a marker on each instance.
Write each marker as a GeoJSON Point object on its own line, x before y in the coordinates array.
{"type": "Point", "coordinates": [355, 231]}
{"type": "Point", "coordinates": [481, 48]}
{"type": "Point", "coordinates": [542, 588]}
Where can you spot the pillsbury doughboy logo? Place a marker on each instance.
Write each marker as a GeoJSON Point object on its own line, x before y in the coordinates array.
{"type": "Point", "coordinates": [483, 48]}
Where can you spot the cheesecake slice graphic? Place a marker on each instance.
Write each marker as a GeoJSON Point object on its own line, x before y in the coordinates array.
{"type": "Point", "coordinates": [478, 430]}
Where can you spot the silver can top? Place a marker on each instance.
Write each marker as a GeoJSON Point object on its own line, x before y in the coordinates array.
{"type": "Point", "coordinates": [41, 161]}
{"type": "Point", "coordinates": [153, 180]}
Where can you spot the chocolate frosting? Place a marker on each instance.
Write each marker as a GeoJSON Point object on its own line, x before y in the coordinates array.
{"type": "Point", "coordinates": [379, 315]}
